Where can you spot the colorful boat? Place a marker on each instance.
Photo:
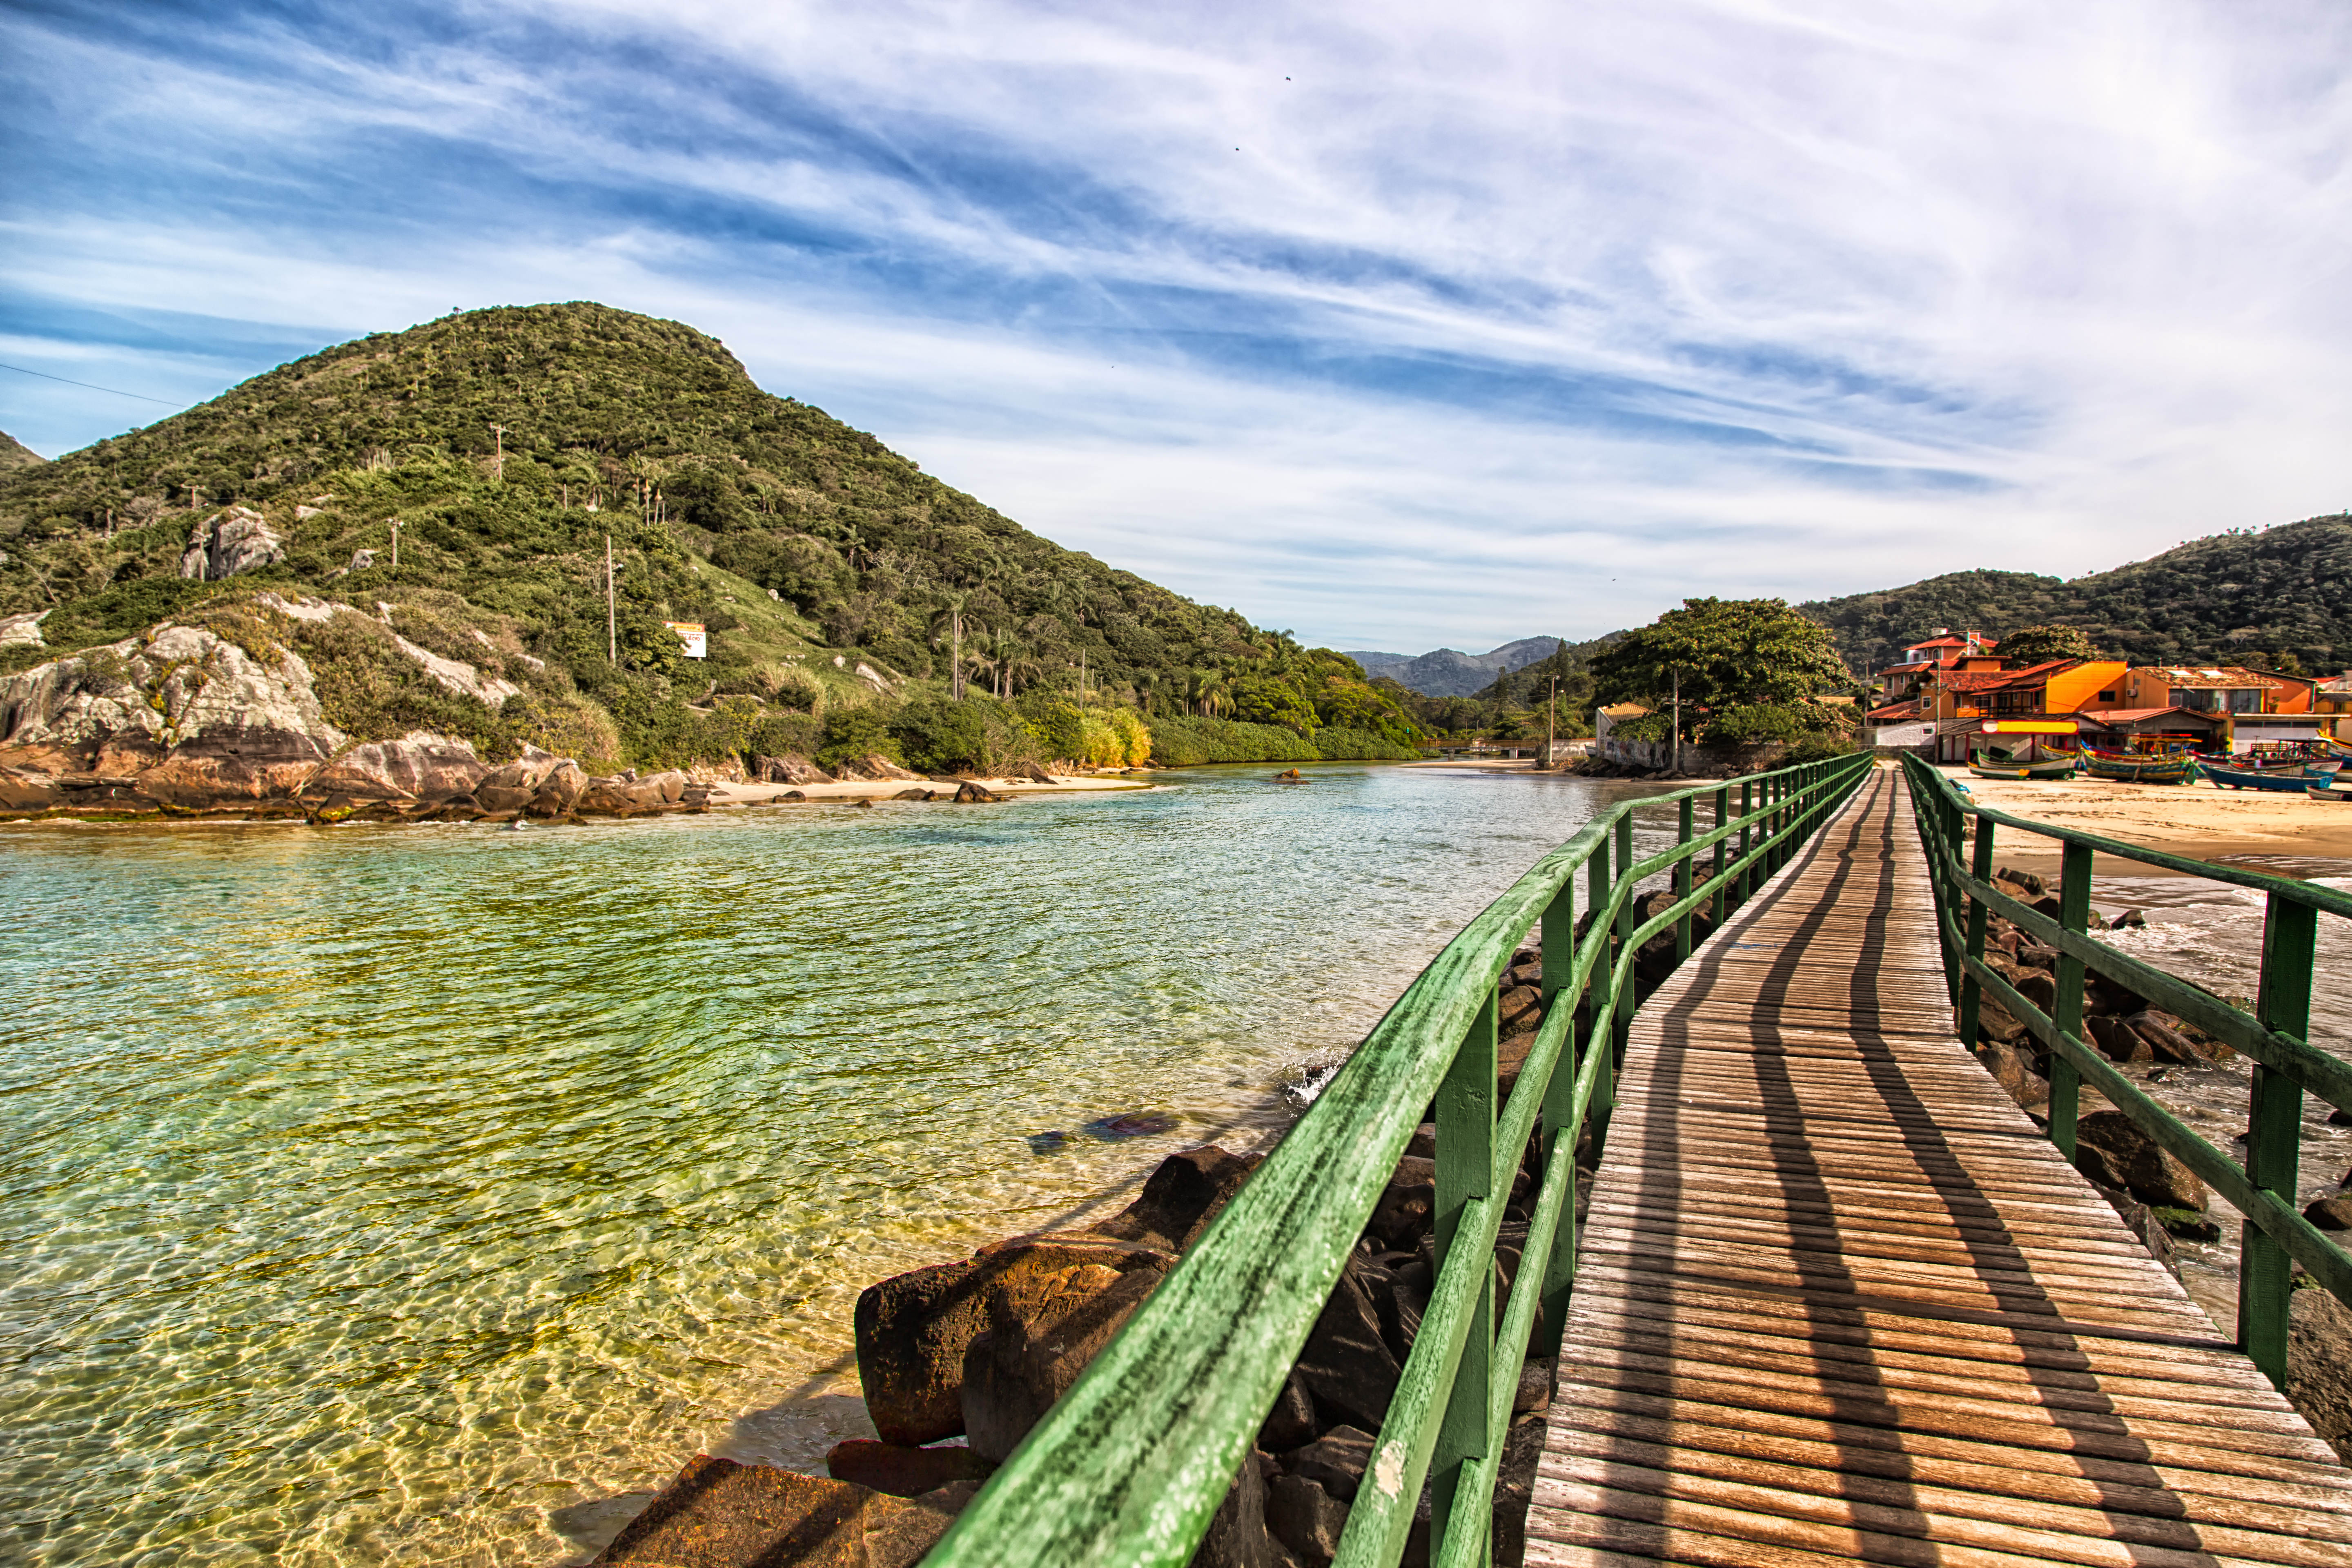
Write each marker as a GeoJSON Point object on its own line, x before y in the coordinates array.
{"type": "Point", "coordinates": [2141, 769]}
{"type": "Point", "coordinates": [1981, 764]}
{"type": "Point", "coordinates": [2280, 781]}
{"type": "Point", "coordinates": [2328, 792]}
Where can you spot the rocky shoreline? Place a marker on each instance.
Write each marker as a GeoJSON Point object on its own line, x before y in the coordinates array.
{"type": "Point", "coordinates": [958, 1360]}
{"type": "Point", "coordinates": [188, 723]}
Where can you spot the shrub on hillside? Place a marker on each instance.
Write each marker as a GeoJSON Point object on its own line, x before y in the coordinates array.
{"type": "Point", "coordinates": [1183, 741]}
{"type": "Point", "coordinates": [861, 731]}
{"type": "Point", "coordinates": [939, 737]}
{"type": "Point", "coordinates": [1338, 742]}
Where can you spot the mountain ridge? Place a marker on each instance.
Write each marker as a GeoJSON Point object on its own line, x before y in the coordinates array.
{"type": "Point", "coordinates": [2277, 591]}
{"type": "Point", "coordinates": [1450, 672]}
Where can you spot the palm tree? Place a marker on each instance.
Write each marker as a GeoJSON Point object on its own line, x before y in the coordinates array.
{"type": "Point", "coordinates": [951, 620]}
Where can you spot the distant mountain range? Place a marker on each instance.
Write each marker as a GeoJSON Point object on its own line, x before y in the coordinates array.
{"type": "Point", "coordinates": [1449, 672]}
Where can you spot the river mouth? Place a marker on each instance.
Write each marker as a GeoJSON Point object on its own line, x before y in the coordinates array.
{"type": "Point", "coordinates": [427, 1195]}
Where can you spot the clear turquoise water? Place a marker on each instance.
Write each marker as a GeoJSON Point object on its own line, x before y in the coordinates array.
{"type": "Point", "coordinates": [429, 1195]}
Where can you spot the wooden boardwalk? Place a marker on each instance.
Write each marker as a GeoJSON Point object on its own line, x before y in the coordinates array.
{"type": "Point", "coordinates": [1839, 1300]}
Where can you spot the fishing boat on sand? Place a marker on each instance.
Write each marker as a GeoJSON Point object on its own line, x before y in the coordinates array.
{"type": "Point", "coordinates": [2282, 781]}
{"type": "Point", "coordinates": [2172, 770]}
{"type": "Point", "coordinates": [1984, 766]}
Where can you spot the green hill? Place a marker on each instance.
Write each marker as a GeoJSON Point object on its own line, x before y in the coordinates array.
{"type": "Point", "coordinates": [2269, 592]}
{"type": "Point", "coordinates": [15, 454]}
{"type": "Point", "coordinates": [509, 445]}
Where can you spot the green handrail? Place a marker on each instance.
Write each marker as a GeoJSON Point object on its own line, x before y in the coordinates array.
{"type": "Point", "coordinates": [1131, 1464]}
{"type": "Point", "coordinates": [2287, 1065]}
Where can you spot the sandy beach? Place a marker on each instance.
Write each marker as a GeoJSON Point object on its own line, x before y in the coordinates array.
{"type": "Point", "coordinates": [2197, 820]}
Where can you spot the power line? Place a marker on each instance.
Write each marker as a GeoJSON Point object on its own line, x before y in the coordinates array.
{"type": "Point", "coordinates": [45, 375]}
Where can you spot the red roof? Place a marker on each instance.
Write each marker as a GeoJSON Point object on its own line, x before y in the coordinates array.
{"type": "Point", "coordinates": [1985, 644]}
{"type": "Point", "coordinates": [1893, 711]}
{"type": "Point", "coordinates": [1996, 680]}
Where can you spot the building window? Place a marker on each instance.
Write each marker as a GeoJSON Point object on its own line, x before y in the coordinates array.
{"type": "Point", "coordinates": [2106, 697]}
{"type": "Point", "coordinates": [2242, 700]}
{"type": "Point", "coordinates": [2026, 701]}
{"type": "Point", "coordinates": [2196, 699]}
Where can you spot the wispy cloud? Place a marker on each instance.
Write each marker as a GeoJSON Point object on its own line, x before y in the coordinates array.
{"type": "Point", "coordinates": [1395, 325]}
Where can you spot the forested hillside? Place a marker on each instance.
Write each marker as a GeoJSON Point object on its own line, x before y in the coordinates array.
{"type": "Point", "coordinates": [505, 447]}
{"type": "Point", "coordinates": [2276, 592]}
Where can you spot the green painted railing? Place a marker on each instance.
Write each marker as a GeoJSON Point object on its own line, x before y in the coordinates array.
{"type": "Point", "coordinates": [2286, 1064]}
{"type": "Point", "coordinates": [1131, 1464]}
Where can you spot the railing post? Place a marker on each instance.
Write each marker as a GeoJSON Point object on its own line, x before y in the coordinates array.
{"type": "Point", "coordinates": [1683, 927]}
{"type": "Point", "coordinates": [1603, 991]}
{"type": "Point", "coordinates": [1980, 867]}
{"type": "Point", "coordinates": [1559, 1273]}
{"type": "Point", "coordinates": [2066, 1011]}
{"type": "Point", "coordinates": [1722, 815]}
{"type": "Point", "coordinates": [1746, 835]}
{"type": "Point", "coordinates": [2274, 1132]}
{"type": "Point", "coordinates": [1465, 1171]}
{"type": "Point", "coordinates": [1622, 1029]}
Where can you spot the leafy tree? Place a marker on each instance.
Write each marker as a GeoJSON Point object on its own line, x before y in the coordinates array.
{"type": "Point", "coordinates": [2040, 644]}
{"type": "Point", "coordinates": [1721, 653]}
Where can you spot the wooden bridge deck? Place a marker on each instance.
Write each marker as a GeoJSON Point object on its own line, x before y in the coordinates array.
{"type": "Point", "coordinates": [1840, 1301]}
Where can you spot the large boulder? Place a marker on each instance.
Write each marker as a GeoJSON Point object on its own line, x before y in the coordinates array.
{"type": "Point", "coordinates": [230, 542]}
{"type": "Point", "coordinates": [23, 630]}
{"type": "Point", "coordinates": [720, 1514]}
{"type": "Point", "coordinates": [1190, 1187]}
{"type": "Point", "coordinates": [1346, 1364]}
{"type": "Point", "coordinates": [1037, 1345]}
{"type": "Point", "coordinates": [2113, 1151]}
{"type": "Point", "coordinates": [419, 767]}
{"type": "Point", "coordinates": [559, 793]}
{"type": "Point", "coordinates": [913, 1331]}
{"type": "Point", "coordinates": [511, 786]}
{"type": "Point", "coordinates": [2319, 1365]}
{"type": "Point", "coordinates": [1237, 1536]}
{"type": "Point", "coordinates": [791, 768]}
{"type": "Point", "coordinates": [874, 768]}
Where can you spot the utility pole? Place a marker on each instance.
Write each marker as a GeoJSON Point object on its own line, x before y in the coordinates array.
{"type": "Point", "coordinates": [193, 503]}
{"type": "Point", "coordinates": [1674, 763]}
{"type": "Point", "coordinates": [499, 436]}
{"type": "Point", "coordinates": [1551, 719]}
{"type": "Point", "coordinates": [612, 621]}
{"type": "Point", "coordinates": [396, 544]}
{"type": "Point", "coordinates": [955, 650]}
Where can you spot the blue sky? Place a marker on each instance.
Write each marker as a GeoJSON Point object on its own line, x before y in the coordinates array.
{"type": "Point", "coordinates": [1396, 325]}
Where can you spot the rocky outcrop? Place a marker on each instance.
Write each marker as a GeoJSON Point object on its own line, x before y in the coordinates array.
{"type": "Point", "coordinates": [1037, 1344]}
{"type": "Point", "coordinates": [458, 676]}
{"type": "Point", "coordinates": [2319, 1365]}
{"type": "Point", "coordinates": [913, 1331]}
{"type": "Point", "coordinates": [874, 768]}
{"type": "Point", "coordinates": [419, 767]}
{"type": "Point", "coordinates": [227, 543]}
{"type": "Point", "coordinates": [22, 631]}
{"type": "Point", "coordinates": [788, 769]}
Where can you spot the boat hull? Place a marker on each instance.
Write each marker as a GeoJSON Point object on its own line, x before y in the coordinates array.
{"type": "Point", "coordinates": [2254, 779]}
{"type": "Point", "coordinates": [2055, 769]}
{"type": "Point", "coordinates": [2159, 772]}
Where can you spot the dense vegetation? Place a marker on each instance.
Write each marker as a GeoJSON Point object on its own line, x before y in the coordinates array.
{"type": "Point", "coordinates": [2282, 592]}
{"type": "Point", "coordinates": [504, 451]}
{"type": "Point", "coordinates": [15, 454]}
{"type": "Point", "coordinates": [1513, 706]}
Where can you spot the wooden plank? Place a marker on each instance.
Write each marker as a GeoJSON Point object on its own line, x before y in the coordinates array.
{"type": "Point", "coordinates": [1838, 1301]}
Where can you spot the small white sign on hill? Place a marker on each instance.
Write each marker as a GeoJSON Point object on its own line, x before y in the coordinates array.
{"type": "Point", "coordinates": [690, 633]}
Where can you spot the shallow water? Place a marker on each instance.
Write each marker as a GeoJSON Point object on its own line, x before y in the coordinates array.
{"type": "Point", "coordinates": [429, 1195]}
